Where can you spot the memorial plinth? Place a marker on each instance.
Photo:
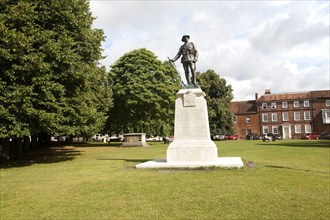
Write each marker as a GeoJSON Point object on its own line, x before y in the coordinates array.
{"type": "Point", "coordinates": [192, 146]}
{"type": "Point", "coordinates": [192, 141]}
{"type": "Point", "coordinates": [135, 140]}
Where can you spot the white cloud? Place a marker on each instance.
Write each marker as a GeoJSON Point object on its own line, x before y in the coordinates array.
{"type": "Point", "coordinates": [254, 45]}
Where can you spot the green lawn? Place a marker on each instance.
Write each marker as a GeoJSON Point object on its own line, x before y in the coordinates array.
{"type": "Point", "coordinates": [285, 180]}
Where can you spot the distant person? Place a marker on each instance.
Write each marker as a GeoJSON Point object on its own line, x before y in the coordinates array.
{"type": "Point", "coordinates": [189, 58]}
{"type": "Point", "coordinates": [267, 138]}
{"type": "Point", "coordinates": [166, 140]}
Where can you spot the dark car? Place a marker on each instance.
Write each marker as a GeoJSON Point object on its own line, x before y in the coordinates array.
{"type": "Point", "coordinates": [278, 137]}
{"type": "Point", "coordinates": [252, 136]}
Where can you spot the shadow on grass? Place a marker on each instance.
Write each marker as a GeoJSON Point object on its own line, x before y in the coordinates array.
{"type": "Point", "coordinates": [42, 156]}
{"type": "Point", "coordinates": [112, 144]}
{"type": "Point", "coordinates": [294, 169]}
{"type": "Point", "coordinates": [127, 160]}
{"type": "Point", "coordinates": [302, 143]}
{"type": "Point", "coordinates": [99, 144]}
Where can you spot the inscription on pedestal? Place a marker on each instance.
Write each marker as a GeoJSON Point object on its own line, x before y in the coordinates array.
{"type": "Point", "coordinates": [189, 100]}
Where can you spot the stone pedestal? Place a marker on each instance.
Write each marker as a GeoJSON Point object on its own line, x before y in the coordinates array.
{"type": "Point", "coordinates": [192, 146]}
{"type": "Point", "coordinates": [135, 140]}
{"type": "Point", "coordinates": [192, 141]}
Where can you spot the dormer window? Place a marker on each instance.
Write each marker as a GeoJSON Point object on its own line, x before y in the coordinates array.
{"type": "Point", "coordinates": [264, 105]}
{"type": "Point", "coordinates": [284, 104]}
{"type": "Point", "coordinates": [306, 103]}
{"type": "Point", "coordinates": [273, 105]}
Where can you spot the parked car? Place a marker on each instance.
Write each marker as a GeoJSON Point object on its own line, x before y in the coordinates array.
{"type": "Point", "coordinates": [312, 136]}
{"type": "Point", "coordinates": [328, 136]}
{"type": "Point", "coordinates": [116, 138]}
{"type": "Point", "coordinates": [157, 138]}
{"type": "Point", "coordinates": [278, 137]}
{"type": "Point", "coordinates": [231, 137]}
{"type": "Point", "coordinates": [252, 136]}
{"type": "Point", "coordinates": [220, 137]}
{"type": "Point", "coordinates": [100, 137]}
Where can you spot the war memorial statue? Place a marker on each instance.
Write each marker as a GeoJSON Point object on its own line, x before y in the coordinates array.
{"type": "Point", "coordinates": [189, 57]}
{"type": "Point", "coordinates": [192, 146]}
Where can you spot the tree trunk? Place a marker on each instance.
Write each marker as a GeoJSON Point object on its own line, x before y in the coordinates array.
{"type": "Point", "coordinates": [15, 148]}
{"type": "Point", "coordinates": [44, 139]}
{"type": "Point", "coordinates": [26, 144]}
{"type": "Point", "coordinates": [34, 141]}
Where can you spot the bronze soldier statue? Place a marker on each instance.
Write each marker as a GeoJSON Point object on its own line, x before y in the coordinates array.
{"type": "Point", "coordinates": [189, 58]}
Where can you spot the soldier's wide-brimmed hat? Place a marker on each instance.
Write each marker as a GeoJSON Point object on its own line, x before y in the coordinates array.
{"type": "Point", "coordinates": [185, 36]}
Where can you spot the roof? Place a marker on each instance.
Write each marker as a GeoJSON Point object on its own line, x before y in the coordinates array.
{"type": "Point", "coordinates": [244, 107]}
{"type": "Point", "coordinates": [295, 96]}
{"type": "Point", "coordinates": [321, 94]}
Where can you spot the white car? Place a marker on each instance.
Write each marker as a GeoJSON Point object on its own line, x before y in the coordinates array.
{"type": "Point", "coordinates": [219, 137]}
{"type": "Point", "coordinates": [100, 137]}
{"type": "Point", "coordinates": [157, 138]}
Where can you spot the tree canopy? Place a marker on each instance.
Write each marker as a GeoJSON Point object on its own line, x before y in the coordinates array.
{"type": "Point", "coordinates": [144, 91]}
{"type": "Point", "coordinates": [218, 97]}
{"type": "Point", "coordinates": [50, 78]}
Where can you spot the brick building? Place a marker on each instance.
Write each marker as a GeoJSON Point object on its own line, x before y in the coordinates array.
{"type": "Point", "coordinates": [288, 114]}
{"type": "Point", "coordinates": [246, 118]}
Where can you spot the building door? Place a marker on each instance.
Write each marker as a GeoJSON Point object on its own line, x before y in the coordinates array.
{"type": "Point", "coordinates": [286, 131]}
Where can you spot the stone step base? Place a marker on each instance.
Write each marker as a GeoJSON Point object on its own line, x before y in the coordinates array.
{"type": "Point", "coordinates": [224, 162]}
{"type": "Point", "coordinates": [192, 152]}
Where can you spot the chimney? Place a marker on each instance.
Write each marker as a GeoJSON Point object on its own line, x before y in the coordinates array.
{"type": "Point", "coordinates": [267, 91]}
{"type": "Point", "coordinates": [256, 96]}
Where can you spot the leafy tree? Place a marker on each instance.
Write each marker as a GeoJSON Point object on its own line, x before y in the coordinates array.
{"type": "Point", "coordinates": [143, 94]}
{"type": "Point", "coordinates": [218, 97]}
{"type": "Point", "coordinates": [50, 79]}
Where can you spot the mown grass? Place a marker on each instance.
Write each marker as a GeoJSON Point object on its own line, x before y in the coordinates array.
{"type": "Point", "coordinates": [284, 180]}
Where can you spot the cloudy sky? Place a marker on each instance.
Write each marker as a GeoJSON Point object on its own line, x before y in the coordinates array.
{"type": "Point", "coordinates": [255, 45]}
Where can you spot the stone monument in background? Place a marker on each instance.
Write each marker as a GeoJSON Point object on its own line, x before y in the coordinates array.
{"type": "Point", "coordinates": [192, 146]}
{"type": "Point", "coordinates": [135, 140]}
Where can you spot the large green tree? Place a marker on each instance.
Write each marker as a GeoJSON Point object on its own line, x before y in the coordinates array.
{"type": "Point", "coordinates": [143, 94]}
{"type": "Point", "coordinates": [218, 97]}
{"type": "Point", "coordinates": [50, 78]}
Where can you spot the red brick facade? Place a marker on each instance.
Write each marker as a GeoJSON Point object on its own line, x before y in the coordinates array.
{"type": "Point", "coordinates": [246, 118]}
{"type": "Point", "coordinates": [288, 114]}
{"type": "Point", "coordinates": [321, 114]}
